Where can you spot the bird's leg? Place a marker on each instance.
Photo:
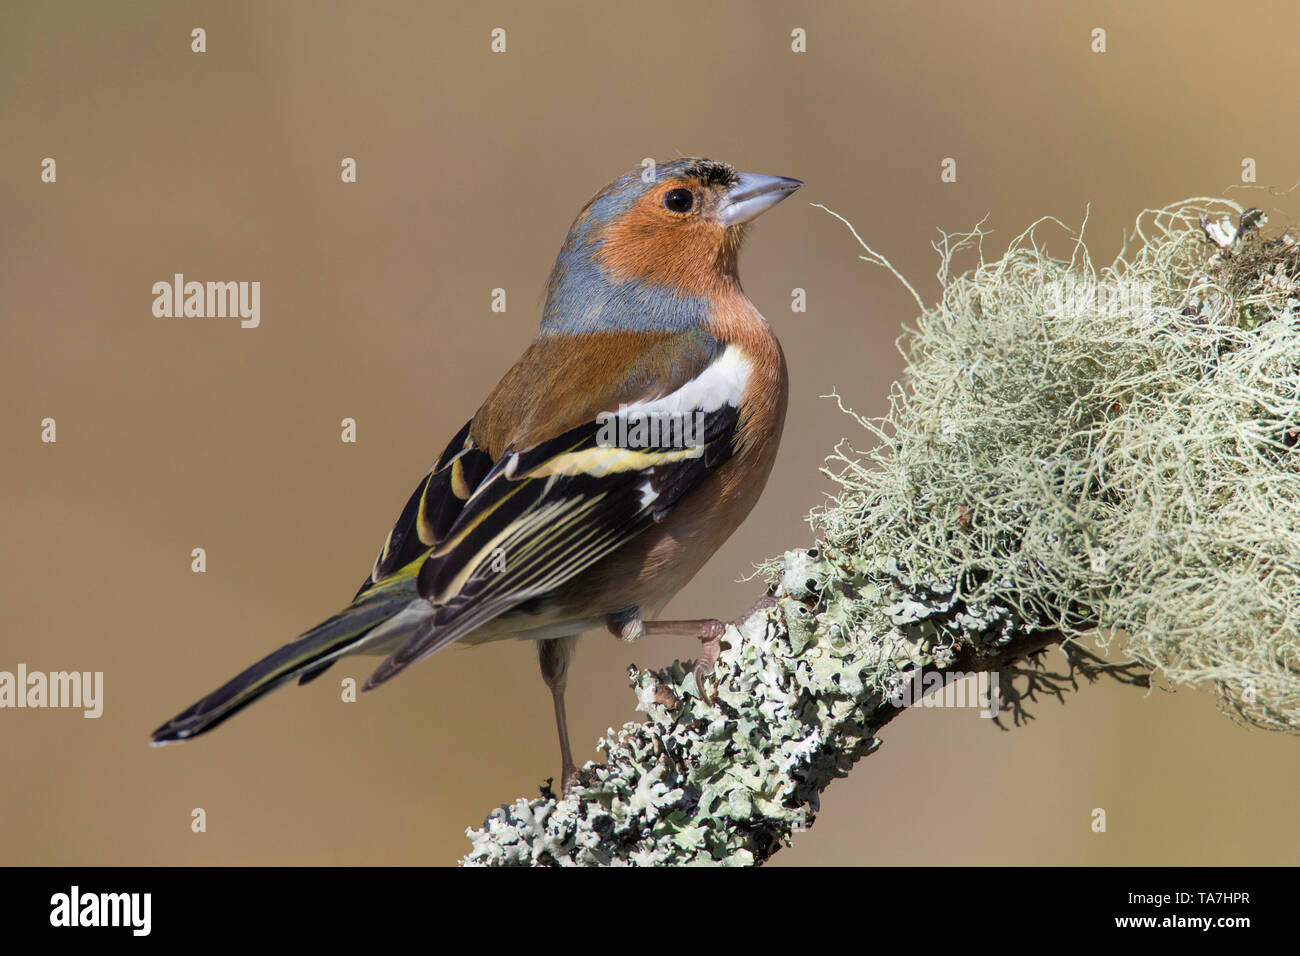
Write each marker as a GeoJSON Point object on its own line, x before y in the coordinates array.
{"type": "Point", "coordinates": [630, 626]}
{"type": "Point", "coordinates": [554, 655]}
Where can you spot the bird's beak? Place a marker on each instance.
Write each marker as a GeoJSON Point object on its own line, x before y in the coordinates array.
{"type": "Point", "coordinates": [753, 194]}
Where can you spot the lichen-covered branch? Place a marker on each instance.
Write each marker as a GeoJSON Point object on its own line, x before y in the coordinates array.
{"type": "Point", "coordinates": [800, 695]}
{"type": "Point", "coordinates": [1111, 453]}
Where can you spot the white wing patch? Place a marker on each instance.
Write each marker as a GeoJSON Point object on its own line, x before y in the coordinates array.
{"type": "Point", "coordinates": [648, 494]}
{"type": "Point", "coordinates": [722, 383]}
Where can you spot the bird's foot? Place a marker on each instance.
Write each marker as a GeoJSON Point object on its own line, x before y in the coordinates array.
{"type": "Point", "coordinates": [711, 647]}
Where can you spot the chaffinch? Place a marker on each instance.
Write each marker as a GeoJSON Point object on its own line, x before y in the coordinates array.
{"type": "Point", "coordinates": [618, 454]}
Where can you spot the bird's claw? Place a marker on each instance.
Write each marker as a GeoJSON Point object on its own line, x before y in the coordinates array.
{"type": "Point", "coordinates": [710, 648]}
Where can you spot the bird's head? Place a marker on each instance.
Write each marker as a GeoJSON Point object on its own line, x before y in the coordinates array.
{"type": "Point", "coordinates": [649, 252]}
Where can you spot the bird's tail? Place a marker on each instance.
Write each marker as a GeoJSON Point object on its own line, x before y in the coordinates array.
{"type": "Point", "coordinates": [304, 658]}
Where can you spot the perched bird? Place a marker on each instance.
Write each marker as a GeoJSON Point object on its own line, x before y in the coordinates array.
{"type": "Point", "coordinates": [618, 454]}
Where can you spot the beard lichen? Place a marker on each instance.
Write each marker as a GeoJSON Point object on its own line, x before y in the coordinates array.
{"type": "Point", "coordinates": [1108, 450]}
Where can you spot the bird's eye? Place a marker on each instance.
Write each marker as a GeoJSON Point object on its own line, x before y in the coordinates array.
{"type": "Point", "coordinates": [679, 200]}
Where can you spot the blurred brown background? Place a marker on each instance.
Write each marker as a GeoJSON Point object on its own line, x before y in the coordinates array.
{"type": "Point", "coordinates": [183, 433]}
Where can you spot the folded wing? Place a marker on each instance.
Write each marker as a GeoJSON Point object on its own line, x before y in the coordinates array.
{"type": "Point", "coordinates": [541, 515]}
